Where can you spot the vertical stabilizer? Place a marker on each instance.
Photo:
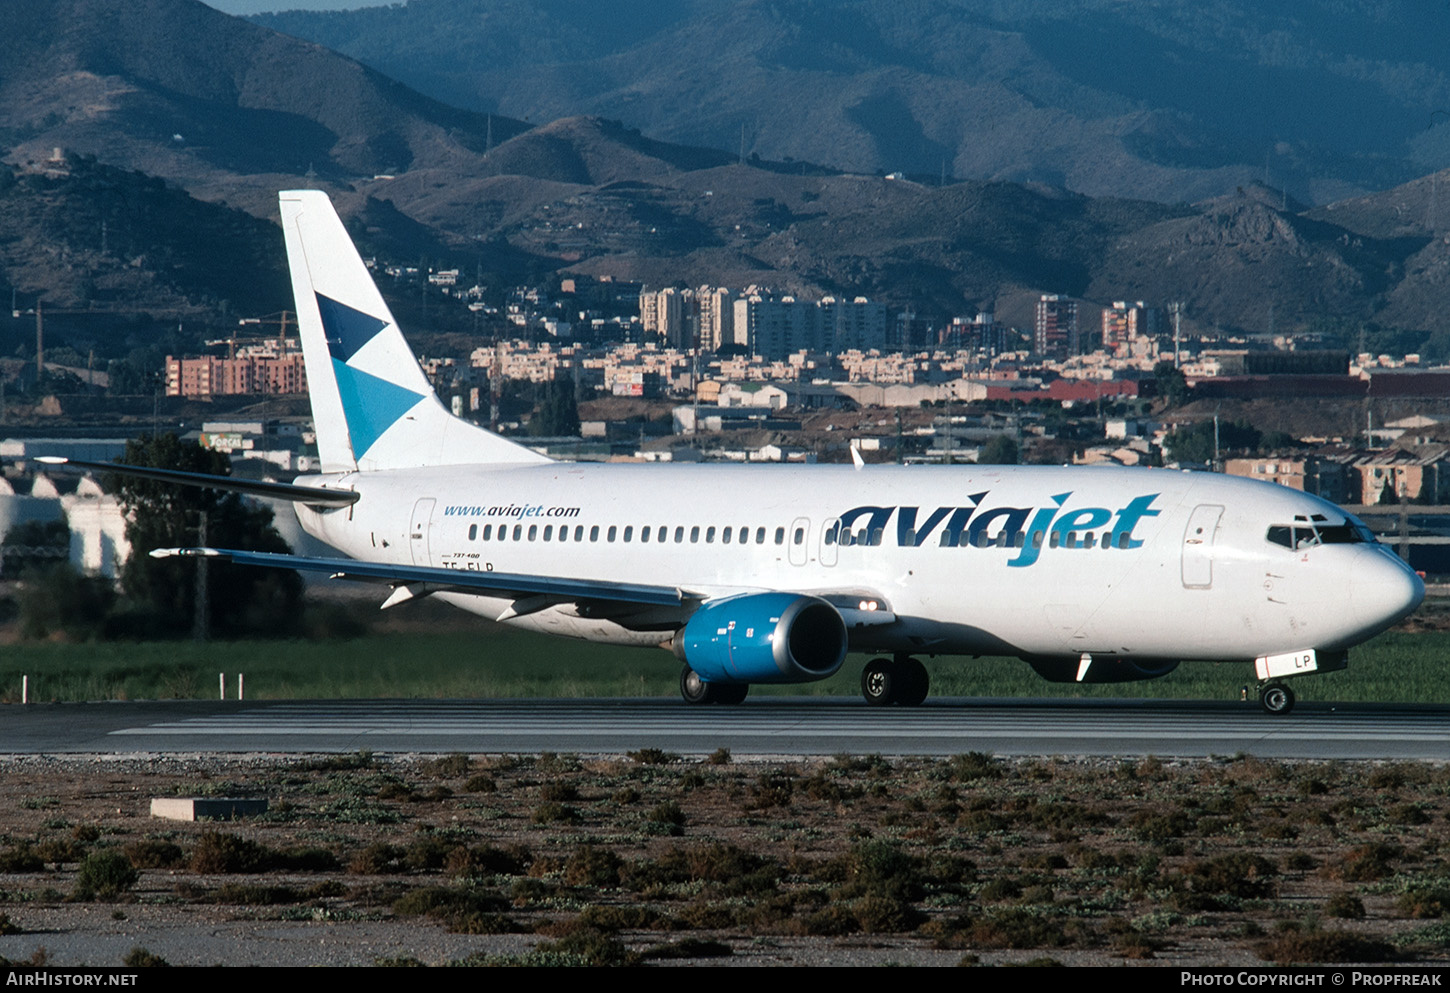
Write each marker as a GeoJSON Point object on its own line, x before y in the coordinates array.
{"type": "Point", "coordinates": [371, 404]}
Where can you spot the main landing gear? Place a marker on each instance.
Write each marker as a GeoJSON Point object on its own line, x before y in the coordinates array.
{"type": "Point", "coordinates": [1276, 698]}
{"type": "Point", "coordinates": [902, 680]}
{"type": "Point", "coordinates": [696, 691]}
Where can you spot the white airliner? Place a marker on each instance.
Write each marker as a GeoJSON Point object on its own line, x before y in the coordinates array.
{"type": "Point", "coordinates": [772, 574]}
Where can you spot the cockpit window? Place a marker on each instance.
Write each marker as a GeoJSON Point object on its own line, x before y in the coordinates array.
{"type": "Point", "coordinates": [1349, 533]}
{"type": "Point", "coordinates": [1300, 536]}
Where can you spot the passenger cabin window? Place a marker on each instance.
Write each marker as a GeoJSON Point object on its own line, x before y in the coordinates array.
{"type": "Point", "coordinates": [594, 533]}
{"type": "Point", "coordinates": [629, 533]}
{"type": "Point", "coordinates": [472, 532]}
{"type": "Point", "coordinates": [518, 532]}
{"type": "Point", "coordinates": [612, 530]}
{"type": "Point", "coordinates": [780, 536]}
{"type": "Point", "coordinates": [760, 536]}
{"type": "Point", "coordinates": [695, 535]}
{"type": "Point", "coordinates": [533, 531]}
{"type": "Point", "coordinates": [548, 532]}
{"type": "Point", "coordinates": [709, 536]}
{"type": "Point", "coordinates": [487, 532]}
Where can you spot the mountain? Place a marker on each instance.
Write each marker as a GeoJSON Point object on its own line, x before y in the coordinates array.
{"type": "Point", "coordinates": [174, 88]}
{"type": "Point", "coordinates": [1172, 100]}
{"type": "Point", "coordinates": [219, 113]}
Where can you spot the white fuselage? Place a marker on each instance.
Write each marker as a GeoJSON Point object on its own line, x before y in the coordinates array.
{"type": "Point", "coordinates": [975, 560]}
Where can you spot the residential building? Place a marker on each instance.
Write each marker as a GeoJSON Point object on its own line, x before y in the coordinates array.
{"type": "Point", "coordinates": [1055, 332]}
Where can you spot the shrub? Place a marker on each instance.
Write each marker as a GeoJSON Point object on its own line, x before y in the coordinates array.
{"type": "Point", "coordinates": [449, 766]}
{"type": "Point", "coordinates": [105, 874]}
{"type": "Point", "coordinates": [1425, 902]}
{"type": "Point", "coordinates": [219, 852]}
{"type": "Point", "coordinates": [377, 858]}
{"type": "Point", "coordinates": [590, 948]}
{"type": "Point", "coordinates": [1240, 874]}
{"type": "Point", "coordinates": [1365, 863]}
{"type": "Point", "coordinates": [1345, 906]}
{"type": "Point", "coordinates": [973, 766]}
{"type": "Point", "coordinates": [590, 866]}
{"type": "Point", "coordinates": [653, 756]}
{"type": "Point", "coordinates": [554, 813]}
{"type": "Point", "coordinates": [154, 854]}
{"type": "Point", "coordinates": [140, 958]}
{"type": "Point", "coordinates": [247, 895]}
{"type": "Point", "coordinates": [1324, 946]}
{"type": "Point", "coordinates": [668, 817]}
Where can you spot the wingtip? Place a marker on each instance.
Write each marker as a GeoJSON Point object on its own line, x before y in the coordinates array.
{"type": "Point", "coordinates": [171, 553]}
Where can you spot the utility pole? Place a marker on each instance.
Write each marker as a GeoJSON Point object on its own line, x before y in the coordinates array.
{"type": "Point", "coordinates": [200, 624]}
{"type": "Point", "coordinates": [39, 343]}
{"type": "Point", "coordinates": [495, 386]}
{"type": "Point", "coordinates": [1176, 309]}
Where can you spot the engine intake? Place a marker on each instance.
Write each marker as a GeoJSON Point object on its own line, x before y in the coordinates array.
{"type": "Point", "coordinates": [763, 638]}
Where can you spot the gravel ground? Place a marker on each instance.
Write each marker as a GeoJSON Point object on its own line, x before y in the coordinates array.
{"type": "Point", "coordinates": [1116, 860]}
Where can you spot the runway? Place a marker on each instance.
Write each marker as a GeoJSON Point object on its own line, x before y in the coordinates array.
{"type": "Point", "coordinates": [767, 726]}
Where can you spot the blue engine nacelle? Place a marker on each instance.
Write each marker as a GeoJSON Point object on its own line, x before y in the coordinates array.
{"type": "Point", "coordinates": [763, 638]}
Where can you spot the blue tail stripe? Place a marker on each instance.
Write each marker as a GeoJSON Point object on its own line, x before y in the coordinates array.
{"type": "Point", "coordinates": [347, 329]}
{"type": "Point", "coordinates": [371, 405]}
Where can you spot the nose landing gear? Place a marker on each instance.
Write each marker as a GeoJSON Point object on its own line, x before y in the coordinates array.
{"type": "Point", "coordinates": [1276, 698]}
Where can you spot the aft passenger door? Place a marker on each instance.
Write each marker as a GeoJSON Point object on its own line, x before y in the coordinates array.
{"type": "Point", "coordinates": [796, 547]}
{"type": "Point", "coordinates": [418, 531]}
{"type": "Point", "coordinates": [830, 541]}
{"type": "Point", "coordinates": [1198, 546]}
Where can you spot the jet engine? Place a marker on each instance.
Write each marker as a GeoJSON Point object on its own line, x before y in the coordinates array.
{"type": "Point", "coordinates": [763, 638]}
{"type": "Point", "coordinates": [1103, 669]}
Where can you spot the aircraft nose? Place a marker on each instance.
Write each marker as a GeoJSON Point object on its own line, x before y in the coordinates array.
{"type": "Point", "coordinates": [1382, 589]}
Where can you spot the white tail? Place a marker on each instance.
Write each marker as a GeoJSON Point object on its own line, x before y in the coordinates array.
{"type": "Point", "coordinates": [371, 404]}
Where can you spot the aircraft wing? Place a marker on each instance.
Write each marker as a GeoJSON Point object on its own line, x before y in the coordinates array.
{"type": "Point", "coordinates": [858, 608]}
{"type": "Point", "coordinates": [414, 580]}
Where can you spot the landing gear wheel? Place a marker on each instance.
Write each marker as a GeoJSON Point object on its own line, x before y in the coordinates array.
{"type": "Point", "coordinates": [1276, 699]}
{"type": "Point", "coordinates": [731, 693]}
{"type": "Point", "coordinates": [694, 689]}
{"type": "Point", "coordinates": [915, 684]}
{"type": "Point", "coordinates": [880, 682]}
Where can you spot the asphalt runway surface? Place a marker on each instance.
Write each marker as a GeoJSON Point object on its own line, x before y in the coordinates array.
{"type": "Point", "coordinates": [767, 726]}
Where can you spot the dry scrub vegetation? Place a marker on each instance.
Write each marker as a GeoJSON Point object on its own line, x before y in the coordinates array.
{"type": "Point", "coordinates": [651, 857]}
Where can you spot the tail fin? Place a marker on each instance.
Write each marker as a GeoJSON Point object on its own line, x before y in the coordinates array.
{"type": "Point", "coordinates": [371, 405]}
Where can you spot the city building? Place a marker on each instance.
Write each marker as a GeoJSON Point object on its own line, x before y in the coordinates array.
{"type": "Point", "coordinates": [272, 367]}
{"type": "Point", "coordinates": [1055, 332]}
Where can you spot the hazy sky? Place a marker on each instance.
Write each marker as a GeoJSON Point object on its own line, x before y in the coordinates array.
{"type": "Point", "coordinates": [245, 7]}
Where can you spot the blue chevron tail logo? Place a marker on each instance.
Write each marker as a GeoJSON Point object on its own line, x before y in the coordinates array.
{"type": "Point", "coordinates": [346, 328]}
{"type": "Point", "coordinates": [371, 405]}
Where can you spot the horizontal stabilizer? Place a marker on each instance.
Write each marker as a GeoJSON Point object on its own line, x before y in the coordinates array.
{"type": "Point", "coordinates": [313, 496]}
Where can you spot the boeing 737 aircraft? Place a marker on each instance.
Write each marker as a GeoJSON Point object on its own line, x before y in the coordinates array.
{"type": "Point", "coordinates": [771, 574]}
